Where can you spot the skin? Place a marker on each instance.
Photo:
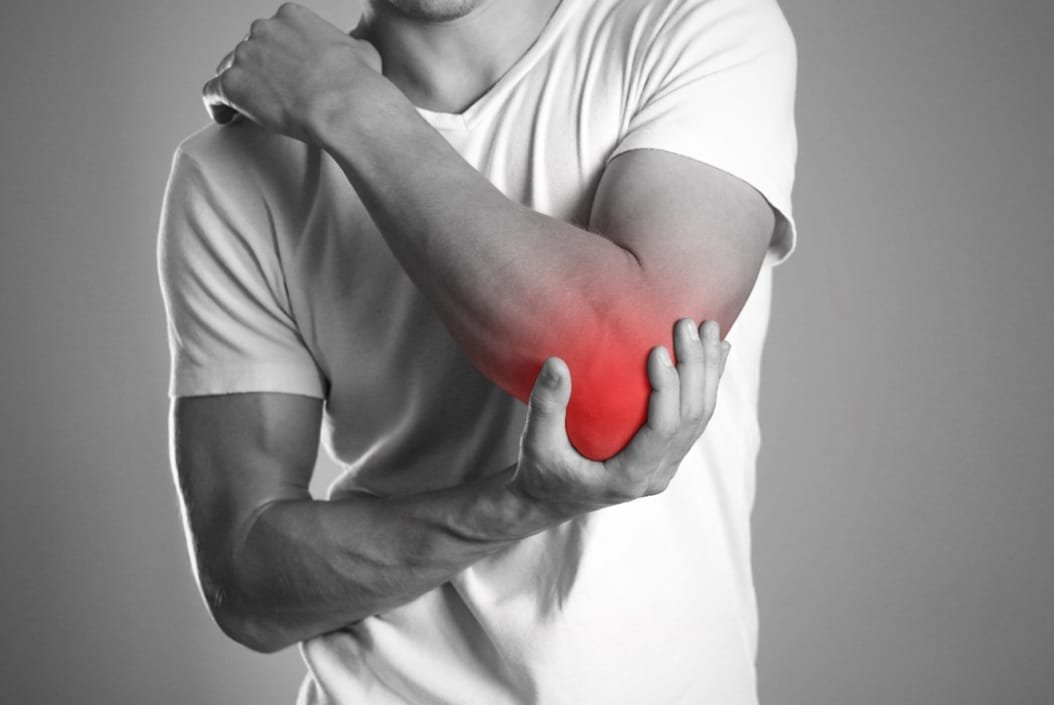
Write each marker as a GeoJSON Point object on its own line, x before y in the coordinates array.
{"type": "Point", "coordinates": [445, 64]}
{"type": "Point", "coordinates": [668, 239]}
{"type": "Point", "coordinates": [599, 298]}
{"type": "Point", "coordinates": [277, 567]}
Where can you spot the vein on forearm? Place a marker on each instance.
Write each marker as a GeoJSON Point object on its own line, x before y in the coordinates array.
{"type": "Point", "coordinates": [312, 566]}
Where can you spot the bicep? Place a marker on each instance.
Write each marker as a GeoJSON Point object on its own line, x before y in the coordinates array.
{"type": "Point", "coordinates": [699, 233]}
{"type": "Point", "coordinates": [233, 454]}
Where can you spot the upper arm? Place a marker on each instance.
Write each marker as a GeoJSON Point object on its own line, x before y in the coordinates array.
{"type": "Point", "coordinates": [232, 455]}
{"type": "Point", "coordinates": [231, 323]}
{"type": "Point", "coordinates": [698, 185]}
{"type": "Point", "coordinates": [700, 234]}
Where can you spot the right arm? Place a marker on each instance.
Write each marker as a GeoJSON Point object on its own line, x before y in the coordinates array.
{"type": "Point", "coordinates": [277, 567]}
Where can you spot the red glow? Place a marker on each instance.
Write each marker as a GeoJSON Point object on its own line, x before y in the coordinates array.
{"type": "Point", "coordinates": [609, 386]}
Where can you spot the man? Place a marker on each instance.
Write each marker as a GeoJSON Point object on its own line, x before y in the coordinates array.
{"type": "Point", "coordinates": [462, 206]}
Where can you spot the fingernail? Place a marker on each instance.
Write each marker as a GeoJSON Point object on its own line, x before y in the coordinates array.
{"type": "Point", "coordinates": [550, 377]}
{"type": "Point", "coordinates": [690, 329]}
{"type": "Point", "coordinates": [664, 356]}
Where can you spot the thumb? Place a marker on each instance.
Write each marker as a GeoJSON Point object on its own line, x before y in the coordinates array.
{"type": "Point", "coordinates": [547, 406]}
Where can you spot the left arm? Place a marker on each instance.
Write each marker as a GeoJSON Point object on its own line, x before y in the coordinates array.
{"type": "Point", "coordinates": [668, 237]}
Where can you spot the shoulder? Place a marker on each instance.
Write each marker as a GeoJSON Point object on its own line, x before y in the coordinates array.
{"type": "Point", "coordinates": [243, 146]}
{"type": "Point", "coordinates": [244, 162]}
{"type": "Point", "coordinates": [652, 41]}
{"type": "Point", "coordinates": [234, 190]}
{"type": "Point", "coordinates": [715, 22]}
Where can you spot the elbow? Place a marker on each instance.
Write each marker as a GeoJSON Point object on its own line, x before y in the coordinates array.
{"type": "Point", "coordinates": [603, 417]}
{"type": "Point", "coordinates": [610, 386]}
{"type": "Point", "coordinates": [249, 629]}
{"type": "Point", "coordinates": [256, 637]}
{"type": "Point", "coordinates": [605, 337]}
{"type": "Point", "coordinates": [239, 615]}
{"type": "Point", "coordinates": [609, 390]}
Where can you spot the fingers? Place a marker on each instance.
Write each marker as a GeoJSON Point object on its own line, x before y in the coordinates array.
{"type": "Point", "coordinates": [216, 92]}
{"type": "Point", "coordinates": [684, 398]}
{"type": "Point", "coordinates": [710, 334]}
{"type": "Point", "coordinates": [645, 452]}
{"type": "Point", "coordinates": [664, 403]}
{"type": "Point", "coordinates": [547, 406]}
{"type": "Point", "coordinates": [258, 28]}
{"type": "Point", "coordinates": [217, 103]}
{"type": "Point", "coordinates": [682, 401]}
{"type": "Point", "coordinates": [690, 368]}
{"type": "Point", "coordinates": [701, 358]}
{"type": "Point", "coordinates": [225, 62]}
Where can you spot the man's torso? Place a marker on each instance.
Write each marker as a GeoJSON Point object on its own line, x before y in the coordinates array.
{"type": "Point", "coordinates": [648, 602]}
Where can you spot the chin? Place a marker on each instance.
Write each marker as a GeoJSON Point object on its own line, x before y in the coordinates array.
{"type": "Point", "coordinates": [434, 10]}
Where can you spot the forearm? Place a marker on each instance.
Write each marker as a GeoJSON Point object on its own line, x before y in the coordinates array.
{"type": "Point", "coordinates": [512, 285]}
{"type": "Point", "coordinates": [309, 567]}
{"type": "Point", "coordinates": [487, 262]}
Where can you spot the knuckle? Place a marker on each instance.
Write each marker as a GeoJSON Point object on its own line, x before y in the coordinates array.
{"type": "Point", "coordinates": [229, 80]}
{"type": "Point", "coordinates": [541, 404]}
{"type": "Point", "coordinates": [259, 27]}
{"type": "Point", "coordinates": [224, 61]}
{"type": "Point", "coordinates": [287, 9]}
{"type": "Point", "coordinates": [240, 52]}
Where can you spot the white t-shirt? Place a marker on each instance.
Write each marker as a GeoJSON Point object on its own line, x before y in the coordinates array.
{"type": "Point", "coordinates": [276, 279]}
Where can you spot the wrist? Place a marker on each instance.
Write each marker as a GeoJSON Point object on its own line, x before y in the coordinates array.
{"type": "Point", "coordinates": [341, 119]}
{"type": "Point", "coordinates": [511, 514]}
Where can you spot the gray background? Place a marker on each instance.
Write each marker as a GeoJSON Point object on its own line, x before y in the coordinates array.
{"type": "Point", "coordinates": [903, 525]}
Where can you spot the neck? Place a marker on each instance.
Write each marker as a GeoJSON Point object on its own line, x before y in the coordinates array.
{"type": "Point", "coordinates": [445, 65]}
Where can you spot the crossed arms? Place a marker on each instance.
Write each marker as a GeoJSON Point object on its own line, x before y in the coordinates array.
{"type": "Point", "coordinates": [669, 238]}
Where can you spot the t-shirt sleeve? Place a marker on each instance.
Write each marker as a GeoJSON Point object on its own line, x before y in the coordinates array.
{"type": "Point", "coordinates": [230, 324]}
{"type": "Point", "coordinates": [716, 83]}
